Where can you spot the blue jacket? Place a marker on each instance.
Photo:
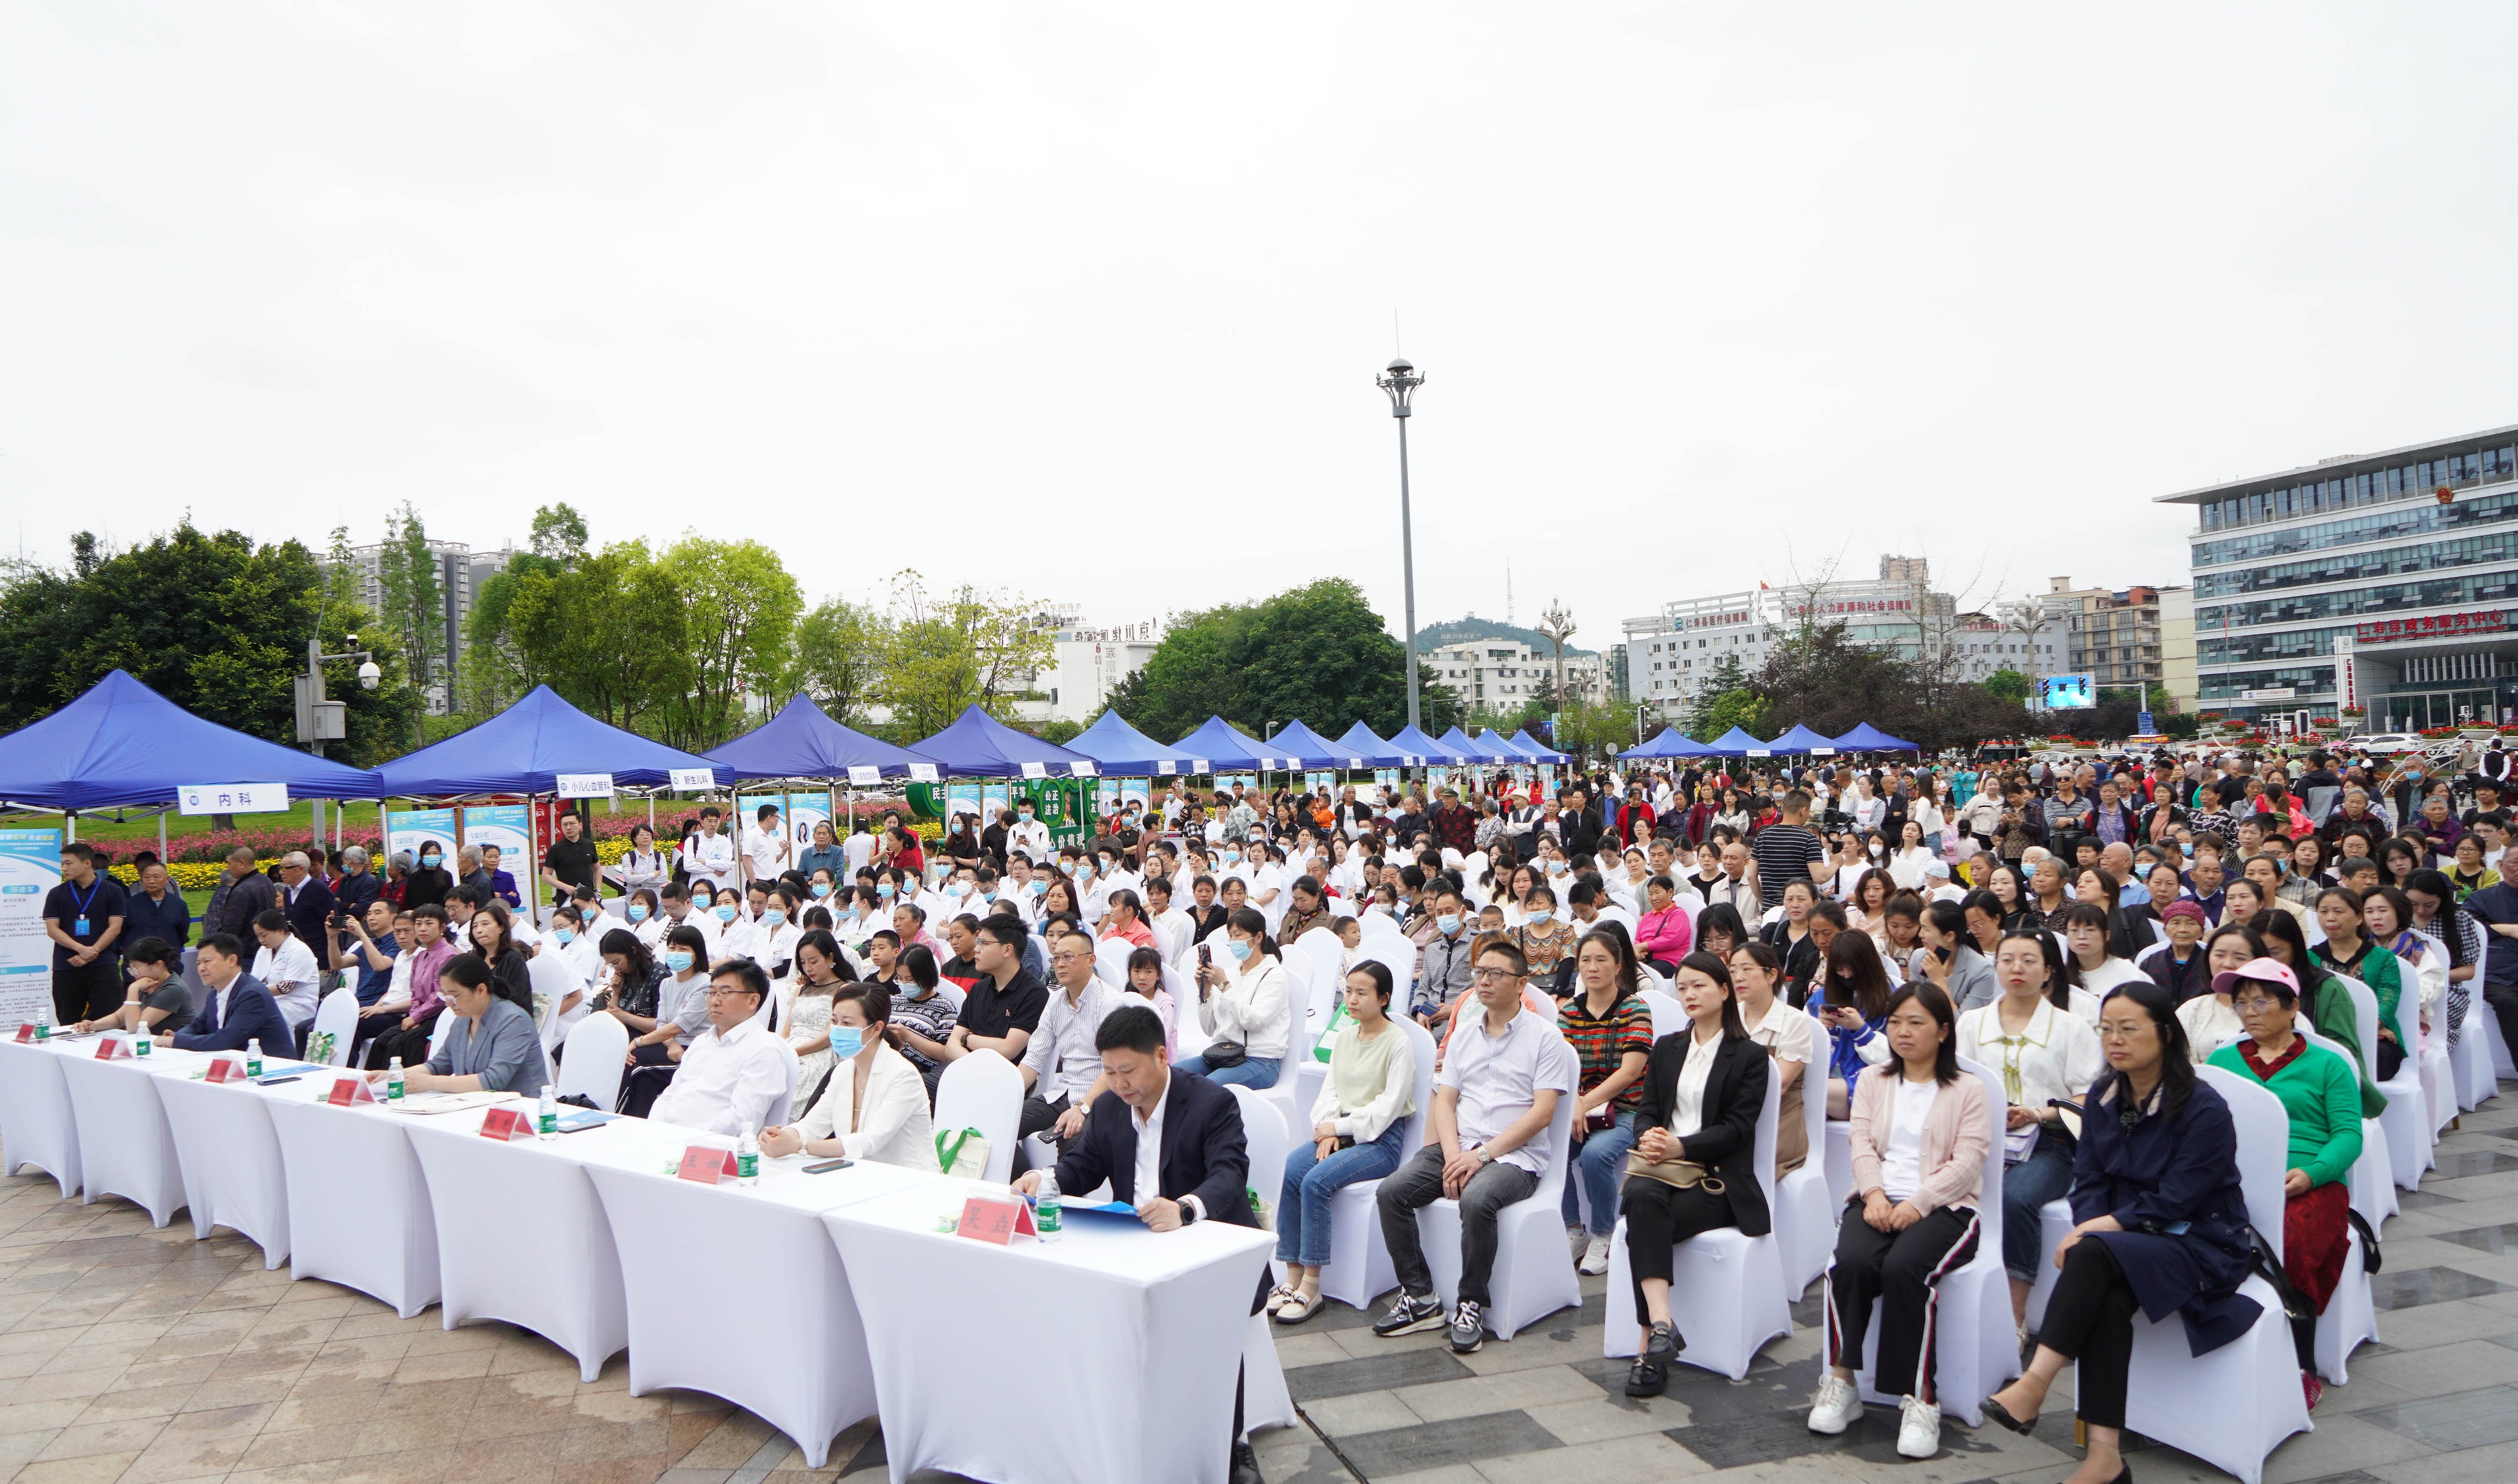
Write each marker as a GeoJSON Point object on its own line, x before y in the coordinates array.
{"type": "Point", "coordinates": [2170, 1171]}
{"type": "Point", "coordinates": [170, 919]}
{"type": "Point", "coordinates": [253, 1015]}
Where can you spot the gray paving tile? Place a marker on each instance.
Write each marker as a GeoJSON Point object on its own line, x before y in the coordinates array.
{"type": "Point", "coordinates": [1378, 1372]}
{"type": "Point", "coordinates": [2469, 1163]}
{"type": "Point", "coordinates": [1433, 1445]}
{"type": "Point", "coordinates": [2413, 1287]}
{"type": "Point", "coordinates": [2499, 1240]}
{"type": "Point", "coordinates": [2462, 1420]}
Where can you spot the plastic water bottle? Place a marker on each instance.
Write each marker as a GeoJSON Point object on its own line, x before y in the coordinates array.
{"type": "Point", "coordinates": [546, 1117]}
{"type": "Point", "coordinates": [392, 1080]}
{"type": "Point", "coordinates": [253, 1058]}
{"type": "Point", "coordinates": [141, 1042]}
{"type": "Point", "coordinates": [1047, 1217]}
{"type": "Point", "coordinates": [43, 1023]}
{"type": "Point", "coordinates": [747, 1158]}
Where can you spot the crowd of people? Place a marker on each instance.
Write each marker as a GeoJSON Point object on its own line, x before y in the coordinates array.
{"type": "Point", "coordinates": [2089, 932]}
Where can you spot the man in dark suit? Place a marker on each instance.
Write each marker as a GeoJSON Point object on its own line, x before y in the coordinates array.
{"type": "Point", "coordinates": [1194, 1167]}
{"type": "Point", "coordinates": [234, 1010]}
{"type": "Point", "coordinates": [247, 895]}
{"type": "Point", "coordinates": [308, 902]}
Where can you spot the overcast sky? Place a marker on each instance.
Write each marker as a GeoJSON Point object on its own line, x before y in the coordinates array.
{"type": "Point", "coordinates": [1088, 301]}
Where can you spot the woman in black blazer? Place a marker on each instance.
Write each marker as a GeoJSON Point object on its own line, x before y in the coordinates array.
{"type": "Point", "coordinates": [1703, 1090]}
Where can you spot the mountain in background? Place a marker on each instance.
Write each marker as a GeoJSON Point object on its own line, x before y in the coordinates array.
{"type": "Point", "coordinates": [1470, 630]}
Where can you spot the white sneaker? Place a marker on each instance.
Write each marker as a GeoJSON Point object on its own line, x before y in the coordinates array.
{"type": "Point", "coordinates": [1837, 1407]}
{"type": "Point", "coordinates": [1919, 1429]}
{"type": "Point", "coordinates": [1596, 1258]}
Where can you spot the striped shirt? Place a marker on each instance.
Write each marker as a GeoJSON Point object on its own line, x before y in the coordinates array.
{"type": "Point", "coordinates": [1785, 854]}
{"type": "Point", "coordinates": [1600, 1043]}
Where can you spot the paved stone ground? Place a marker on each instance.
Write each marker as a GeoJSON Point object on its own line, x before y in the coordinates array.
{"type": "Point", "coordinates": [141, 1356]}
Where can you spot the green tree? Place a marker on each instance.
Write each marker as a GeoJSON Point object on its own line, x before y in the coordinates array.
{"type": "Point", "coordinates": [739, 604]}
{"type": "Point", "coordinates": [2007, 685]}
{"type": "Point", "coordinates": [941, 656]}
{"type": "Point", "coordinates": [839, 651]}
{"type": "Point", "coordinates": [415, 611]}
{"type": "Point", "coordinates": [609, 633]}
{"type": "Point", "coordinates": [559, 534]}
{"type": "Point", "coordinates": [1316, 653]}
{"type": "Point", "coordinates": [213, 623]}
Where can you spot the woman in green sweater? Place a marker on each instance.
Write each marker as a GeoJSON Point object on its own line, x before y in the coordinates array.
{"type": "Point", "coordinates": [2320, 1092]}
{"type": "Point", "coordinates": [2323, 995]}
{"type": "Point", "coordinates": [2347, 950]}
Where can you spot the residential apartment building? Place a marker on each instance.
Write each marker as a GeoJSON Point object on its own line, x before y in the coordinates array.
{"type": "Point", "coordinates": [1503, 674]}
{"type": "Point", "coordinates": [2111, 636]}
{"type": "Point", "coordinates": [460, 572]}
{"type": "Point", "coordinates": [2177, 673]}
{"type": "Point", "coordinates": [2385, 581]}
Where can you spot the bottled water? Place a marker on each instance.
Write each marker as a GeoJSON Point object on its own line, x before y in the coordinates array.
{"type": "Point", "coordinates": [253, 1058]}
{"type": "Point", "coordinates": [392, 1080]}
{"type": "Point", "coordinates": [1048, 1213]}
{"type": "Point", "coordinates": [747, 1158]}
{"type": "Point", "coordinates": [546, 1117]}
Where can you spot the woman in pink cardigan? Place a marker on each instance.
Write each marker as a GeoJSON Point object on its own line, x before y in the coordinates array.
{"type": "Point", "coordinates": [1921, 1130]}
{"type": "Point", "coordinates": [1662, 935]}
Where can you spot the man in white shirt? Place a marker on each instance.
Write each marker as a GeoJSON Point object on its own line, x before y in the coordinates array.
{"type": "Point", "coordinates": [285, 966]}
{"type": "Point", "coordinates": [766, 848]}
{"type": "Point", "coordinates": [1738, 888]}
{"type": "Point", "coordinates": [709, 855]}
{"type": "Point", "coordinates": [1062, 1068]}
{"type": "Point", "coordinates": [1030, 835]}
{"type": "Point", "coordinates": [735, 1075]}
{"type": "Point", "coordinates": [1490, 1142]}
{"type": "Point", "coordinates": [859, 849]}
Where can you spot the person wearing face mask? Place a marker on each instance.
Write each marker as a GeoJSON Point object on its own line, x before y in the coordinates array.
{"type": "Point", "coordinates": [1241, 1000]}
{"type": "Point", "coordinates": [641, 914]}
{"type": "Point", "coordinates": [431, 881]}
{"type": "Point", "coordinates": [875, 1106]}
{"type": "Point", "coordinates": [1444, 963]}
{"type": "Point", "coordinates": [1030, 835]}
{"type": "Point", "coordinates": [659, 1040]}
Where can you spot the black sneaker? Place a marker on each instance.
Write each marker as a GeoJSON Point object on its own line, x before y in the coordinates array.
{"type": "Point", "coordinates": [1245, 1466]}
{"type": "Point", "coordinates": [1410, 1315]}
{"type": "Point", "coordinates": [1468, 1328]}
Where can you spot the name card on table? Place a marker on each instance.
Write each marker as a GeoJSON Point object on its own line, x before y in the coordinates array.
{"type": "Point", "coordinates": [26, 1031]}
{"type": "Point", "coordinates": [582, 785]}
{"type": "Point", "coordinates": [506, 1124]}
{"type": "Point", "coordinates": [922, 773]}
{"type": "Point", "coordinates": [226, 1070]}
{"type": "Point", "coordinates": [113, 1048]}
{"type": "Point", "coordinates": [995, 1221]}
{"type": "Point", "coordinates": [708, 1166]}
{"type": "Point", "coordinates": [693, 779]}
{"type": "Point", "coordinates": [348, 1092]}
{"type": "Point", "coordinates": [864, 775]}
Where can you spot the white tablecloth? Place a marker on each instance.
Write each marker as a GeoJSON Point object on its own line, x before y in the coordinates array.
{"type": "Point", "coordinates": [1144, 1330]}
{"type": "Point", "coordinates": [36, 1124]}
{"type": "Point", "coordinates": [125, 1148]}
{"type": "Point", "coordinates": [358, 1207]}
{"type": "Point", "coordinates": [521, 1234]}
{"type": "Point", "coordinates": [231, 1171]}
{"type": "Point", "coordinates": [739, 1292]}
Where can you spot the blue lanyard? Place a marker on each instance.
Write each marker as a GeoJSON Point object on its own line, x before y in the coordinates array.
{"type": "Point", "coordinates": [92, 888]}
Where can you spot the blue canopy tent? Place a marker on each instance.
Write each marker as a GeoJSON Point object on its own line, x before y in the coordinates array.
{"type": "Point", "coordinates": [122, 744]}
{"type": "Point", "coordinates": [1410, 739]}
{"type": "Point", "coordinates": [1800, 740]}
{"type": "Point", "coordinates": [1361, 742]}
{"type": "Point", "coordinates": [1469, 748]}
{"type": "Point", "coordinates": [1867, 738]}
{"type": "Point", "coordinates": [1668, 742]}
{"type": "Point", "coordinates": [1297, 748]}
{"type": "Point", "coordinates": [1124, 751]}
{"type": "Point", "coordinates": [801, 741]}
{"type": "Point", "coordinates": [1225, 748]}
{"type": "Point", "coordinates": [524, 749]}
{"type": "Point", "coordinates": [1734, 743]}
{"type": "Point", "coordinates": [977, 745]}
{"type": "Point", "coordinates": [1504, 747]}
{"type": "Point", "coordinates": [1540, 751]}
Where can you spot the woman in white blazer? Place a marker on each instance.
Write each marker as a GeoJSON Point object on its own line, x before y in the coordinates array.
{"type": "Point", "coordinates": [875, 1106]}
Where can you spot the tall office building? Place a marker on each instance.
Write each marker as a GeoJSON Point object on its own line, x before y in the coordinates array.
{"type": "Point", "coordinates": [2385, 581]}
{"type": "Point", "coordinates": [460, 572]}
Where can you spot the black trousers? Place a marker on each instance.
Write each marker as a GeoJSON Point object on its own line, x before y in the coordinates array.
{"type": "Point", "coordinates": [87, 991]}
{"type": "Point", "coordinates": [2089, 1321]}
{"type": "Point", "coordinates": [1659, 1217]}
{"type": "Point", "coordinates": [410, 1045]}
{"type": "Point", "coordinates": [646, 1083]}
{"type": "Point", "coordinates": [1902, 1271]}
{"type": "Point", "coordinates": [2503, 1000]}
{"type": "Point", "coordinates": [1036, 1118]}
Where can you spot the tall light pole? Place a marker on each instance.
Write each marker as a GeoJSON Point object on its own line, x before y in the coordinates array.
{"type": "Point", "coordinates": [1400, 382]}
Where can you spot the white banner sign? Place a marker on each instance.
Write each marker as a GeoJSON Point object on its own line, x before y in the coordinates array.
{"type": "Point", "coordinates": [584, 785]}
{"type": "Point", "coordinates": [922, 773]}
{"type": "Point", "coordinates": [1035, 770]}
{"type": "Point", "coordinates": [1084, 770]}
{"type": "Point", "coordinates": [1761, 752]}
{"type": "Point", "coordinates": [1353, 762]}
{"type": "Point", "coordinates": [30, 866]}
{"type": "Point", "coordinates": [1197, 765]}
{"type": "Point", "coordinates": [864, 775]}
{"type": "Point", "coordinates": [231, 798]}
{"type": "Point", "coordinates": [685, 780]}
{"type": "Point", "coordinates": [1822, 752]}
{"type": "Point", "coordinates": [1166, 769]}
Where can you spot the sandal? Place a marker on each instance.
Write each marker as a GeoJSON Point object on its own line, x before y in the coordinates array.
{"type": "Point", "coordinates": [1297, 1308]}
{"type": "Point", "coordinates": [1277, 1297]}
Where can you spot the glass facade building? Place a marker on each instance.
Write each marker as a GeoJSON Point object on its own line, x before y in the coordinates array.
{"type": "Point", "coordinates": [2386, 581]}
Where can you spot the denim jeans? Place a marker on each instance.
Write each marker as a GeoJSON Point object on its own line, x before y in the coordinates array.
{"type": "Point", "coordinates": [2044, 1174]}
{"type": "Point", "coordinates": [1600, 1168]}
{"type": "Point", "coordinates": [1303, 1209]}
{"type": "Point", "coordinates": [1256, 1073]}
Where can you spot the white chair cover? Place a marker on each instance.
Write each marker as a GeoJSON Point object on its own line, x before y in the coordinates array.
{"type": "Point", "coordinates": [1726, 1288]}
{"type": "Point", "coordinates": [1670, 1017]}
{"type": "Point", "coordinates": [2406, 1120]}
{"type": "Point", "coordinates": [1533, 1270]}
{"type": "Point", "coordinates": [1110, 961]}
{"type": "Point", "coordinates": [984, 1091]}
{"type": "Point", "coordinates": [338, 1014]}
{"type": "Point", "coordinates": [2231, 1406]}
{"type": "Point", "coordinates": [2373, 1185]}
{"type": "Point", "coordinates": [1976, 1349]}
{"type": "Point", "coordinates": [590, 1062]}
{"type": "Point", "coordinates": [2471, 1061]}
{"type": "Point", "coordinates": [1805, 1217]}
{"type": "Point", "coordinates": [1359, 1268]}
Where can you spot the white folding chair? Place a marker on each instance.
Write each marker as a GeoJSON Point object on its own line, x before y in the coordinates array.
{"type": "Point", "coordinates": [1359, 1267]}
{"type": "Point", "coordinates": [1290, 1070]}
{"type": "Point", "coordinates": [590, 1062]}
{"type": "Point", "coordinates": [2502, 1065]}
{"type": "Point", "coordinates": [984, 1091]}
{"type": "Point", "coordinates": [552, 979]}
{"type": "Point", "coordinates": [1976, 1350]}
{"type": "Point", "coordinates": [2229, 1408]}
{"type": "Point", "coordinates": [1171, 936]}
{"type": "Point", "coordinates": [1670, 1018]}
{"type": "Point", "coordinates": [1805, 1217]}
{"type": "Point", "coordinates": [1726, 1288]}
{"type": "Point", "coordinates": [1110, 961]}
{"type": "Point", "coordinates": [1268, 1139]}
{"type": "Point", "coordinates": [2371, 1181]}
{"type": "Point", "coordinates": [445, 1027]}
{"type": "Point", "coordinates": [1533, 1270]}
{"type": "Point", "coordinates": [2406, 1120]}
{"type": "Point", "coordinates": [2054, 1224]}
{"type": "Point", "coordinates": [336, 1015]}
{"type": "Point", "coordinates": [1836, 1146]}
{"type": "Point", "coordinates": [2471, 1061]}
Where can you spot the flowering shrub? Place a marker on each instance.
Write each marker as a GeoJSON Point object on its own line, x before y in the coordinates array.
{"type": "Point", "coordinates": [2439, 732]}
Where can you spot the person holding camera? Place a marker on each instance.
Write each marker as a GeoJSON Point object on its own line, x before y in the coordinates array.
{"type": "Point", "coordinates": [365, 945]}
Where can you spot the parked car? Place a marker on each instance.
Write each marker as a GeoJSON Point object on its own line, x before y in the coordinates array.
{"type": "Point", "coordinates": [2384, 744]}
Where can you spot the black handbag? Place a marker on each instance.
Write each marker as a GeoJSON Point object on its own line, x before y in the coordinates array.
{"type": "Point", "coordinates": [2295, 1305]}
{"type": "Point", "coordinates": [1219, 1055]}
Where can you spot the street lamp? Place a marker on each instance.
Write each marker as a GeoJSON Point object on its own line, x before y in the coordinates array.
{"type": "Point", "coordinates": [1400, 382]}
